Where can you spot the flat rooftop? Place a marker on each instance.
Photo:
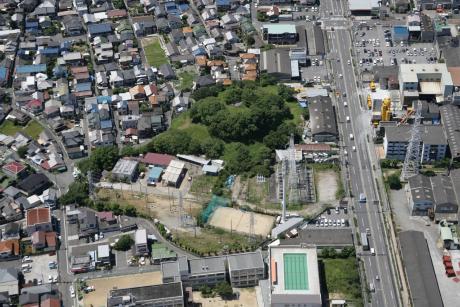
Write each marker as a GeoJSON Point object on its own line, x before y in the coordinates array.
{"type": "Point", "coordinates": [294, 271]}
{"type": "Point", "coordinates": [280, 28]}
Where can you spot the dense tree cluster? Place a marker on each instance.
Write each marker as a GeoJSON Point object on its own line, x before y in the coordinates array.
{"type": "Point", "coordinates": [102, 158]}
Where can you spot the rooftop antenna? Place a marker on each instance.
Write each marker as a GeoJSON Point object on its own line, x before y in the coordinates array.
{"type": "Point", "coordinates": [412, 161]}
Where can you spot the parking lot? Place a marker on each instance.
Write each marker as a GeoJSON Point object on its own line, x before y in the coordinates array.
{"type": "Point", "coordinates": [40, 270]}
{"type": "Point", "coordinates": [316, 73]}
{"type": "Point", "coordinates": [374, 46]}
{"type": "Point", "coordinates": [331, 218]}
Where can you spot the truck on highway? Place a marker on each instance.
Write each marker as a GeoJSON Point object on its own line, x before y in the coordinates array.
{"type": "Point", "coordinates": [364, 241]}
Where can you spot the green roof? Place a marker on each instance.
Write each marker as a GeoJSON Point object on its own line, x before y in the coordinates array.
{"type": "Point", "coordinates": [280, 28]}
{"type": "Point", "coordinates": [160, 251]}
{"type": "Point", "coordinates": [295, 271]}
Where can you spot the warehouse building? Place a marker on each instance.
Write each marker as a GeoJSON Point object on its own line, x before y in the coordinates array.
{"type": "Point", "coordinates": [322, 120]}
{"type": "Point", "coordinates": [276, 62]}
{"type": "Point", "coordinates": [174, 173]}
{"type": "Point", "coordinates": [125, 170]}
{"type": "Point", "coordinates": [423, 285]}
{"type": "Point", "coordinates": [294, 276]}
{"type": "Point", "coordinates": [450, 118]}
{"type": "Point", "coordinates": [364, 7]}
{"type": "Point", "coordinates": [280, 34]}
{"type": "Point", "coordinates": [439, 194]}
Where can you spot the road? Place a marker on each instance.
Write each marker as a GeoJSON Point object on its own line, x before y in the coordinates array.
{"type": "Point", "coordinates": [360, 159]}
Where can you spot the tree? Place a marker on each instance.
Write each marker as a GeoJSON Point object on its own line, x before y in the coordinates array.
{"type": "Point", "coordinates": [172, 142]}
{"type": "Point", "coordinates": [224, 289]}
{"type": "Point", "coordinates": [249, 40]}
{"type": "Point", "coordinates": [204, 110]}
{"type": "Point", "coordinates": [22, 151]}
{"type": "Point", "coordinates": [428, 173]}
{"type": "Point", "coordinates": [232, 95]}
{"type": "Point", "coordinates": [102, 158]}
{"type": "Point", "coordinates": [124, 243]}
{"type": "Point", "coordinates": [129, 151]}
{"type": "Point", "coordinates": [328, 252]}
{"type": "Point", "coordinates": [286, 92]}
{"type": "Point", "coordinates": [387, 163]}
{"type": "Point", "coordinates": [347, 252]}
{"type": "Point", "coordinates": [77, 194]}
{"type": "Point", "coordinates": [394, 182]}
{"type": "Point", "coordinates": [213, 148]}
{"type": "Point", "coordinates": [205, 291]}
{"type": "Point", "coordinates": [306, 113]}
{"type": "Point", "coordinates": [130, 210]}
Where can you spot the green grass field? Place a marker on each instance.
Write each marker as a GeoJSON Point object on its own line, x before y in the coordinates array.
{"type": "Point", "coordinates": [155, 54]}
{"type": "Point", "coordinates": [186, 80]}
{"type": "Point", "coordinates": [342, 277]}
{"type": "Point", "coordinates": [32, 129]}
{"type": "Point", "coordinates": [203, 184]}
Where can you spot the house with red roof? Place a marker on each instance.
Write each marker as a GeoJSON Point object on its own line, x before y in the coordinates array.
{"type": "Point", "coordinates": [35, 106]}
{"type": "Point", "coordinates": [38, 219]}
{"type": "Point", "coordinates": [14, 170]}
{"type": "Point", "coordinates": [9, 249]}
{"type": "Point", "coordinates": [156, 159]}
{"type": "Point", "coordinates": [45, 241]}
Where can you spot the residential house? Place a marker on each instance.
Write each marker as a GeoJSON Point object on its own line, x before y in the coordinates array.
{"type": "Point", "coordinates": [38, 219]}
{"type": "Point", "coordinates": [14, 170]}
{"type": "Point", "coordinates": [34, 184]}
{"type": "Point", "coordinates": [9, 211]}
{"type": "Point", "coordinates": [12, 231]}
{"type": "Point", "coordinates": [72, 25]}
{"type": "Point", "coordinates": [88, 224]}
{"type": "Point", "coordinates": [44, 241]}
{"type": "Point", "coordinates": [9, 249]}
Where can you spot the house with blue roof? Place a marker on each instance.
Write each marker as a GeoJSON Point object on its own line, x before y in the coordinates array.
{"type": "Point", "coordinates": [99, 29]}
{"type": "Point", "coordinates": [83, 87]}
{"type": "Point", "coordinates": [31, 69]}
{"type": "Point", "coordinates": [154, 175]}
{"type": "Point", "coordinates": [171, 8]}
{"type": "Point", "coordinates": [106, 124]}
{"type": "Point", "coordinates": [49, 51]}
{"type": "Point", "coordinates": [103, 99]}
{"type": "Point", "coordinates": [223, 5]}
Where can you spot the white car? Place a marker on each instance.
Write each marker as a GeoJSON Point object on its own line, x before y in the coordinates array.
{"type": "Point", "coordinates": [26, 259]}
{"type": "Point", "coordinates": [354, 148]}
{"type": "Point", "coordinates": [50, 278]}
{"type": "Point", "coordinates": [345, 104]}
{"type": "Point", "coordinates": [55, 279]}
{"type": "Point", "coordinates": [348, 119]}
{"type": "Point", "coordinates": [349, 62]}
{"type": "Point", "coordinates": [72, 292]}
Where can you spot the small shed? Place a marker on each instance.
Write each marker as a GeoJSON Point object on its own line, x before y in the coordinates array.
{"type": "Point", "coordinates": [154, 175]}
{"type": "Point", "coordinates": [210, 170]}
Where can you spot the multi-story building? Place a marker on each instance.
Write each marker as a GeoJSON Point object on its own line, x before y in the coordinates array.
{"type": "Point", "coordinates": [165, 295]}
{"type": "Point", "coordinates": [195, 272]}
{"type": "Point", "coordinates": [433, 145]}
{"type": "Point", "coordinates": [245, 270]}
{"type": "Point", "coordinates": [430, 82]}
{"type": "Point", "coordinates": [280, 34]}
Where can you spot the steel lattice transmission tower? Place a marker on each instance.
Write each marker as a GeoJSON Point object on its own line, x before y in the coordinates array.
{"type": "Point", "coordinates": [293, 178]}
{"type": "Point", "coordinates": [412, 161]}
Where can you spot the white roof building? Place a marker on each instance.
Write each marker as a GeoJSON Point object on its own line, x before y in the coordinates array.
{"type": "Point", "coordinates": [294, 276]}
{"type": "Point", "coordinates": [173, 173]}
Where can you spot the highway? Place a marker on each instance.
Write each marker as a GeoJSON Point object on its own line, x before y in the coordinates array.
{"type": "Point", "coordinates": [362, 165]}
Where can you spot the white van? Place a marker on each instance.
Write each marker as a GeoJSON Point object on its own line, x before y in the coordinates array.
{"type": "Point", "coordinates": [351, 136]}
{"type": "Point", "coordinates": [348, 119]}
{"type": "Point", "coordinates": [372, 251]}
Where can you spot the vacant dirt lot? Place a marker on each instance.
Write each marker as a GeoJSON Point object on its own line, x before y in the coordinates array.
{"type": "Point", "coordinates": [247, 299]}
{"type": "Point", "coordinates": [165, 208]}
{"type": "Point", "coordinates": [326, 185]}
{"type": "Point", "coordinates": [98, 298]}
{"type": "Point", "coordinates": [237, 220]}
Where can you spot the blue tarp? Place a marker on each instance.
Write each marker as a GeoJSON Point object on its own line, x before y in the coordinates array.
{"type": "Point", "coordinates": [30, 69]}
